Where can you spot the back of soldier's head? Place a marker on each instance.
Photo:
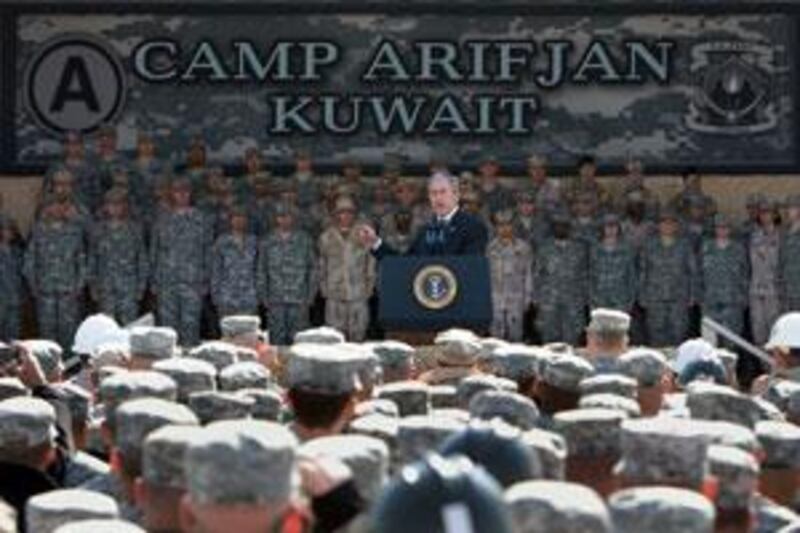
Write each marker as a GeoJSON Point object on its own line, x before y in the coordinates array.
{"type": "Point", "coordinates": [438, 495]}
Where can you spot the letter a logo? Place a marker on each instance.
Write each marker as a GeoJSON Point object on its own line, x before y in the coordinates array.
{"type": "Point", "coordinates": [74, 83]}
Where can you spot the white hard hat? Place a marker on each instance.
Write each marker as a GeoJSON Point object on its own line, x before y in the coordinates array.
{"type": "Point", "coordinates": [691, 351]}
{"type": "Point", "coordinates": [96, 330]}
{"type": "Point", "coordinates": [785, 332]}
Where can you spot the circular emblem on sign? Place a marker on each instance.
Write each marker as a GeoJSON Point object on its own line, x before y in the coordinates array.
{"type": "Point", "coordinates": [74, 83]}
{"type": "Point", "coordinates": [435, 287]}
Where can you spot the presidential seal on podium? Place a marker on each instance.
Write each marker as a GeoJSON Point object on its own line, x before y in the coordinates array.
{"type": "Point", "coordinates": [435, 287]}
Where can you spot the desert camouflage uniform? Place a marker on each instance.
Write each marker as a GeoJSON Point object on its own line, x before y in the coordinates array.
{"type": "Point", "coordinates": [347, 279]}
{"type": "Point", "coordinates": [511, 266]}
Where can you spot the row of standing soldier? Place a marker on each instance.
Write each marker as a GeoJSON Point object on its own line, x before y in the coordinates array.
{"type": "Point", "coordinates": [553, 248]}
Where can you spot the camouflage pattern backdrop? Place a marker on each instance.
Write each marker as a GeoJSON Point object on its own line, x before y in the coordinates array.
{"type": "Point", "coordinates": [726, 100]}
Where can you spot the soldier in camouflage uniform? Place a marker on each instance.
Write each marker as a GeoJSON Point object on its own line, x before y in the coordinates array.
{"type": "Point", "coordinates": [180, 250]}
{"type": "Point", "coordinates": [347, 273]}
{"type": "Point", "coordinates": [546, 191]}
{"type": "Point", "coordinates": [764, 273]}
{"type": "Point", "coordinates": [259, 204]}
{"type": "Point", "coordinates": [637, 227]}
{"type": "Point", "coordinates": [306, 183]}
{"type": "Point", "coordinates": [406, 194]}
{"type": "Point", "coordinates": [789, 259]}
{"type": "Point", "coordinates": [87, 186]}
{"type": "Point", "coordinates": [494, 194]}
{"type": "Point", "coordinates": [693, 188]}
{"type": "Point", "coordinates": [585, 227]}
{"type": "Point", "coordinates": [380, 204]}
{"type": "Point", "coordinates": [723, 277]}
{"type": "Point", "coordinates": [196, 163]}
{"type": "Point", "coordinates": [531, 224]}
{"type": "Point", "coordinates": [10, 281]}
{"type": "Point", "coordinates": [233, 268]}
{"type": "Point", "coordinates": [118, 260]}
{"type": "Point", "coordinates": [105, 160]}
{"type": "Point", "coordinates": [666, 278]}
{"type": "Point", "coordinates": [55, 268]}
{"type": "Point", "coordinates": [613, 269]}
{"type": "Point", "coordinates": [147, 168]}
{"type": "Point", "coordinates": [511, 264]}
{"type": "Point", "coordinates": [561, 285]}
{"type": "Point", "coordinates": [286, 276]}
{"type": "Point", "coordinates": [696, 226]}
{"type": "Point", "coordinates": [586, 182]}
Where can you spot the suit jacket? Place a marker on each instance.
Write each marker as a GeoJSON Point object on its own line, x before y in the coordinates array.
{"type": "Point", "coordinates": [465, 234]}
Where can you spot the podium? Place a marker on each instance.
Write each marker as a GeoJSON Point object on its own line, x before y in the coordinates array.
{"type": "Point", "coordinates": [421, 295]}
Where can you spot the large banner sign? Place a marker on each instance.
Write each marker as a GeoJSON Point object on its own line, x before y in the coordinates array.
{"type": "Point", "coordinates": [714, 91]}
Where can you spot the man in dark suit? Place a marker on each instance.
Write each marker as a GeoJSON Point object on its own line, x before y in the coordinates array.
{"type": "Point", "coordinates": [451, 231]}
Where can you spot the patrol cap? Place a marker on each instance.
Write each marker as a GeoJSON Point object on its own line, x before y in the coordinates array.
{"type": "Point", "coordinates": [609, 321]}
{"type": "Point", "coordinates": [376, 425]}
{"type": "Point", "coordinates": [737, 473]}
{"type": "Point", "coordinates": [181, 183]}
{"type": "Point", "coordinates": [25, 423]}
{"type": "Point", "coordinates": [164, 452]}
{"type": "Point", "coordinates": [566, 372]}
{"type": "Point", "coordinates": [12, 388]}
{"type": "Point", "coordinates": [235, 325]}
{"type": "Point", "coordinates": [457, 347]}
{"type": "Point", "coordinates": [514, 409]}
{"type": "Point", "coordinates": [668, 213]}
{"type": "Point", "coordinates": [377, 406]}
{"type": "Point", "coordinates": [727, 434]}
{"type": "Point", "coordinates": [321, 335]}
{"type": "Point", "coordinates": [721, 221]}
{"type": "Point", "coordinates": [394, 354]}
{"type": "Point", "coordinates": [100, 525]}
{"type": "Point", "coordinates": [441, 494]}
{"type": "Point", "coordinates": [190, 375]}
{"type": "Point", "coordinates": [662, 510]}
{"type": "Point", "coordinates": [663, 451]}
{"type": "Point", "coordinates": [367, 458]}
{"type": "Point", "coordinates": [45, 512]}
{"type": "Point", "coordinates": [537, 160]}
{"type": "Point", "coordinates": [617, 384]}
{"type": "Point", "coordinates": [78, 400]}
{"type": "Point", "coordinates": [118, 388]}
{"type": "Point", "coordinates": [244, 375]}
{"type": "Point", "coordinates": [241, 462]}
{"type": "Point", "coordinates": [323, 369]}
{"type": "Point", "coordinates": [153, 342]}
{"type": "Point", "coordinates": [472, 385]}
{"type": "Point", "coordinates": [419, 434]}
{"type": "Point", "coordinates": [644, 365]}
{"type": "Point", "coordinates": [551, 448]}
{"type": "Point", "coordinates": [541, 505]}
{"type": "Point", "coordinates": [212, 406]}
{"type": "Point", "coordinates": [779, 392]}
{"type": "Point", "coordinates": [268, 403]}
{"type": "Point", "coordinates": [49, 356]}
{"type": "Point", "coordinates": [590, 432]}
{"type": "Point", "coordinates": [518, 362]}
{"type": "Point", "coordinates": [116, 195]}
{"type": "Point", "coordinates": [284, 209]}
{"type": "Point", "coordinates": [368, 365]}
{"type": "Point", "coordinates": [112, 354]}
{"type": "Point", "coordinates": [611, 401]}
{"type": "Point", "coordinates": [710, 401]}
{"type": "Point", "coordinates": [497, 447]}
{"type": "Point", "coordinates": [135, 419]}
{"type": "Point", "coordinates": [218, 353]}
{"type": "Point", "coordinates": [781, 444]}
{"type": "Point", "coordinates": [526, 196]}
{"type": "Point", "coordinates": [443, 396]}
{"type": "Point", "coordinates": [411, 397]}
